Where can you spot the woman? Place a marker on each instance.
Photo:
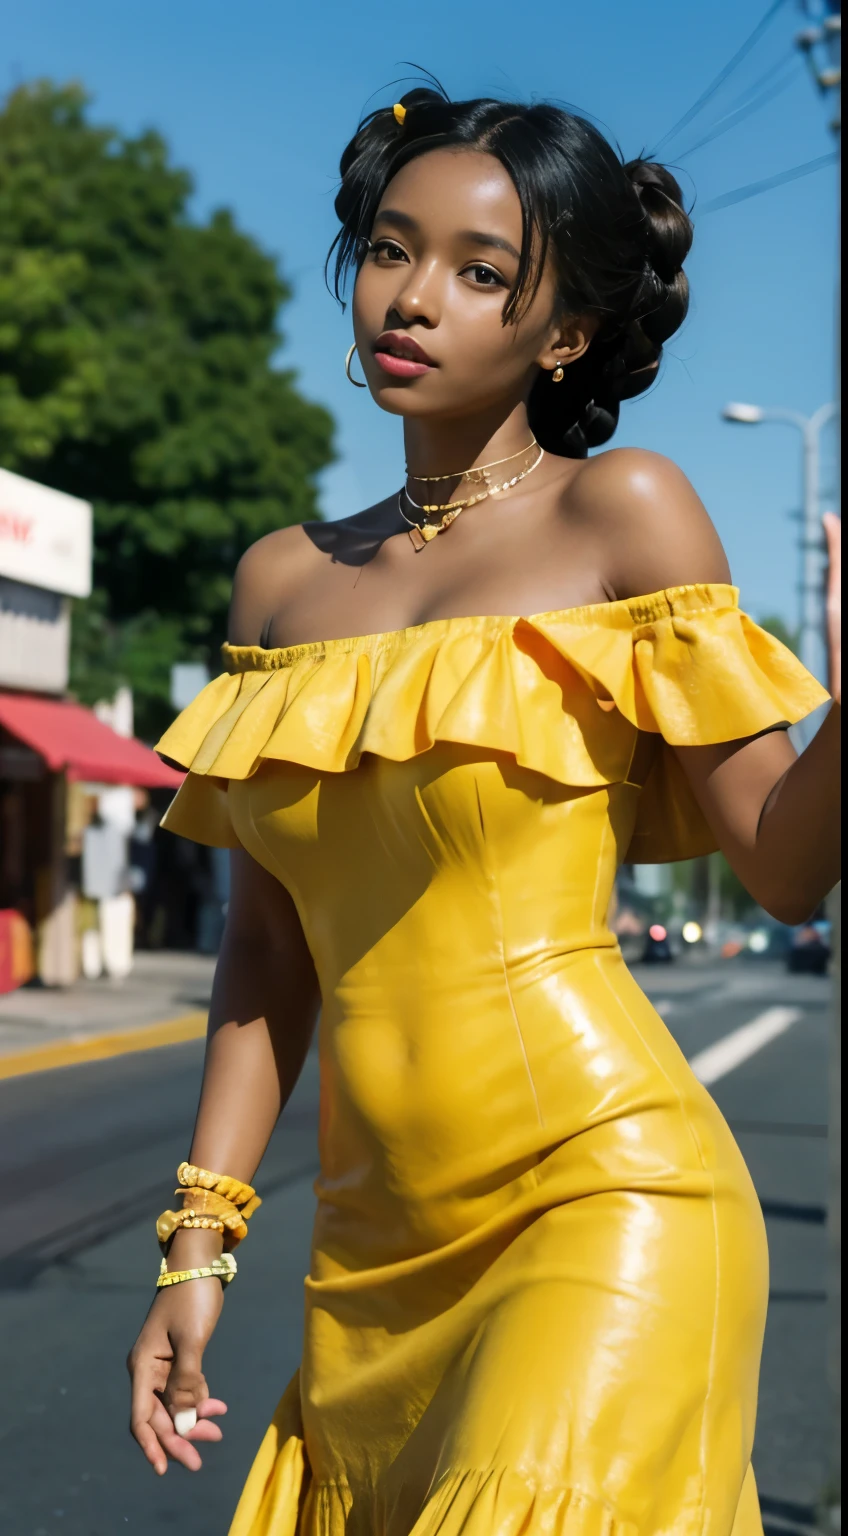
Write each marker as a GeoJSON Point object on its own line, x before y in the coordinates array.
{"type": "Point", "coordinates": [538, 1282]}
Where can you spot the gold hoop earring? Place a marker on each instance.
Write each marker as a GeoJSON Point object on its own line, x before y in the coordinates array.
{"type": "Point", "coordinates": [558, 374]}
{"type": "Point", "coordinates": [348, 360]}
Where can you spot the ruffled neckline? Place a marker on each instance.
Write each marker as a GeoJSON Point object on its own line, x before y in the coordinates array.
{"type": "Point", "coordinates": [616, 613]}
{"type": "Point", "coordinates": [566, 694]}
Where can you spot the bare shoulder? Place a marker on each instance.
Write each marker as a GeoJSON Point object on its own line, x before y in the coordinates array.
{"type": "Point", "coordinates": [287, 571]}
{"type": "Point", "coordinates": [654, 529]}
{"type": "Point", "coordinates": [266, 573]}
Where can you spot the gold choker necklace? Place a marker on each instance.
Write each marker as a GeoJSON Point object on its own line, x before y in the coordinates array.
{"type": "Point", "coordinates": [479, 470]}
{"type": "Point", "coordinates": [420, 534]}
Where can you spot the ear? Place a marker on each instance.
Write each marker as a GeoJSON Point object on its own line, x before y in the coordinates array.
{"type": "Point", "coordinates": [569, 338]}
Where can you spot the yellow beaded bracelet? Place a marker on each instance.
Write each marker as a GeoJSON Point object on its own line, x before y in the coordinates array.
{"type": "Point", "coordinates": [238, 1193]}
{"type": "Point", "coordinates": [191, 1219]}
{"type": "Point", "coordinates": [212, 1201]}
{"type": "Point", "coordinates": [224, 1269]}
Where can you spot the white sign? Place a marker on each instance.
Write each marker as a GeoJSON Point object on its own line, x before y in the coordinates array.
{"type": "Point", "coordinates": [45, 536]}
{"type": "Point", "coordinates": [104, 862]}
{"type": "Point", "coordinates": [187, 680]}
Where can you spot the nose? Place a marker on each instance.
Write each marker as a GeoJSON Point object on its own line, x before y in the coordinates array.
{"type": "Point", "coordinates": [418, 297]}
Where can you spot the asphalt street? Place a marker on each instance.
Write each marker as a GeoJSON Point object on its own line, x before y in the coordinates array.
{"type": "Point", "coordinates": [86, 1157]}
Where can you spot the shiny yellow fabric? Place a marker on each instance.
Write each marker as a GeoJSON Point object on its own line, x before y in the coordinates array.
{"type": "Point", "coordinates": [538, 1282]}
{"type": "Point", "coordinates": [587, 696]}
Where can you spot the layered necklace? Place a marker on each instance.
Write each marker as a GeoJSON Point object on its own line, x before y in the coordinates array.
{"type": "Point", "coordinates": [444, 513]}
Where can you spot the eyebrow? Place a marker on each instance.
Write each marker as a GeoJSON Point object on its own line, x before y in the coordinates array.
{"type": "Point", "coordinates": [473, 236]}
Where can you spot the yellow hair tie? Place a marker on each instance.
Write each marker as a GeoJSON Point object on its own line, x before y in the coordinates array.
{"type": "Point", "coordinates": [400, 113]}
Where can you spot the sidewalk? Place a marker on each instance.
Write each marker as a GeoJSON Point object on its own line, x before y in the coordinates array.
{"type": "Point", "coordinates": [165, 988]}
{"type": "Point", "coordinates": [165, 1001]}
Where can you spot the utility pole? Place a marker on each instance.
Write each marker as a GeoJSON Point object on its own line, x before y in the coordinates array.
{"type": "Point", "coordinates": [821, 45]}
{"type": "Point", "coordinates": [811, 637]}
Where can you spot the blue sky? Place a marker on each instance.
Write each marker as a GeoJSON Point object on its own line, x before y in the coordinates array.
{"type": "Point", "coordinates": [257, 100]}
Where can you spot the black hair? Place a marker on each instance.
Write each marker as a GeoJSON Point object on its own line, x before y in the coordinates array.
{"type": "Point", "coordinates": [616, 230]}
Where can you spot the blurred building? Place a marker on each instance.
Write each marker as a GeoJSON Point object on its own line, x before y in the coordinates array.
{"type": "Point", "coordinates": [70, 783]}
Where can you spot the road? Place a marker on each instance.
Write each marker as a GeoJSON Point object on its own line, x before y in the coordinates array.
{"type": "Point", "coordinates": [86, 1154]}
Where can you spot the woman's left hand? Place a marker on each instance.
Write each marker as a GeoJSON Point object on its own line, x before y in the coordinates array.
{"type": "Point", "coordinates": [833, 535]}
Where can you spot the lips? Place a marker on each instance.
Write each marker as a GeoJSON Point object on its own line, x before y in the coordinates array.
{"type": "Point", "coordinates": [401, 356]}
{"type": "Point", "coordinates": [396, 344]}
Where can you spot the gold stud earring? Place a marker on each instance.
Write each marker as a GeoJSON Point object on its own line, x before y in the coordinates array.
{"type": "Point", "coordinates": [558, 374]}
{"type": "Point", "coordinates": [357, 384]}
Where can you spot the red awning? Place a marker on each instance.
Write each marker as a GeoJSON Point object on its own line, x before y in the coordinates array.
{"type": "Point", "coordinates": [68, 736]}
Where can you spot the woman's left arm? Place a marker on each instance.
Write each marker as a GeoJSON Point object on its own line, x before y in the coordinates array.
{"type": "Point", "coordinates": [775, 815]}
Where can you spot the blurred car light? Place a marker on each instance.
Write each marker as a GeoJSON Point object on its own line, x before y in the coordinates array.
{"type": "Point", "coordinates": [691, 933]}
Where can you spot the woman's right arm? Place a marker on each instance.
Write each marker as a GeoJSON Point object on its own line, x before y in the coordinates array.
{"type": "Point", "coordinates": [264, 1005]}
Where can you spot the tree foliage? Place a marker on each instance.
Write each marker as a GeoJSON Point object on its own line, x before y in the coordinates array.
{"type": "Point", "coordinates": [137, 371]}
{"type": "Point", "coordinates": [778, 627]}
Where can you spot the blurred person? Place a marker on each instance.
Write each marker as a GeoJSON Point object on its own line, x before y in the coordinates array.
{"type": "Point", "coordinates": [538, 1282]}
{"type": "Point", "coordinates": [142, 867]}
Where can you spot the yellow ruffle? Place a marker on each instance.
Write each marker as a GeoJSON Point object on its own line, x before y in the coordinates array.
{"type": "Point", "coordinates": [281, 1499]}
{"type": "Point", "coordinates": [480, 1503]}
{"type": "Point", "coordinates": [569, 694]}
{"type": "Point", "coordinates": [274, 1494]}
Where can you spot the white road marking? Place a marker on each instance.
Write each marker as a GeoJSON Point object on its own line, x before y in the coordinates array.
{"type": "Point", "coordinates": [730, 1052]}
{"type": "Point", "coordinates": [664, 1007]}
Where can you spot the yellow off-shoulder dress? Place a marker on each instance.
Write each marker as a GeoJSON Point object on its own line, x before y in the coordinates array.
{"type": "Point", "coordinates": [538, 1283]}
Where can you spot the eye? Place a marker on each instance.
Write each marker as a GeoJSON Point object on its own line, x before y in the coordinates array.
{"type": "Point", "coordinates": [388, 250]}
{"type": "Point", "coordinates": [483, 276]}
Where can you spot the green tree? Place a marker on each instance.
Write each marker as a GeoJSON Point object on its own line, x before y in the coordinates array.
{"type": "Point", "coordinates": [778, 627]}
{"type": "Point", "coordinates": [137, 370]}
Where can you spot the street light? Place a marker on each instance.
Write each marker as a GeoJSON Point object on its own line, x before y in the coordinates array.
{"type": "Point", "coordinates": [812, 597]}
{"type": "Point", "coordinates": [748, 415]}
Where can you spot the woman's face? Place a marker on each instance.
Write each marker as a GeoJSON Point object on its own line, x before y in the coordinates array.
{"type": "Point", "coordinates": [429, 297]}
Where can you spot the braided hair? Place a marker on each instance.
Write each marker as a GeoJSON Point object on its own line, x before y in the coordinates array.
{"type": "Point", "coordinates": [616, 232]}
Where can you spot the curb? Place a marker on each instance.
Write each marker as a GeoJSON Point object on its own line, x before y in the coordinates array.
{"type": "Point", "coordinates": [67, 1053]}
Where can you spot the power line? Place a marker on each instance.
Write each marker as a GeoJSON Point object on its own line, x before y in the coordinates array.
{"type": "Point", "coordinates": [780, 63]}
{"type": "Point", "coordinates": [754, 188]}
{"type": "Point", "coordinates": [732, 119]}
{"type": "Point", "coordinates": [723, 74]}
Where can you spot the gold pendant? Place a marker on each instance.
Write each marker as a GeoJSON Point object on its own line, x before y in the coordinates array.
{"type": "Point", "coordinates": [421, 533]}
{"type": "Point", "coordinates": [419, 536]}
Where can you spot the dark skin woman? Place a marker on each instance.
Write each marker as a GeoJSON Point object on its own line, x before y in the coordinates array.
{"type": "Point", "coordinates": [464, 310]}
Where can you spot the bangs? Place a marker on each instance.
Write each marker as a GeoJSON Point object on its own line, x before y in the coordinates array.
{"type": "Point", "coordinates": [485, 127]}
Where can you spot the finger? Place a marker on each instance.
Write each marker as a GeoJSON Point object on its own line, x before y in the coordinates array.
{"type": "Point", "coordinates": [186, 1386]}
{"type": "Point", "coordinates": [204, 1429]}
{"type": "Point", "coordinates": [833, 602]}
{"type": "Point", "coordinates": [174, 1445]}
{"type": "Point", "coordinates": [833, 535]}
{"type": "Point", "coordinates": [142, 1405]}
{"type": "Point", "coordinates": [149, 1442]}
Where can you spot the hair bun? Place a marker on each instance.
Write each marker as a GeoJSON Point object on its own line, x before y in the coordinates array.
{"type": "Point", "coordinates": [422, 96]}
{"type": "Point", "coordinates": [669, 226]}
